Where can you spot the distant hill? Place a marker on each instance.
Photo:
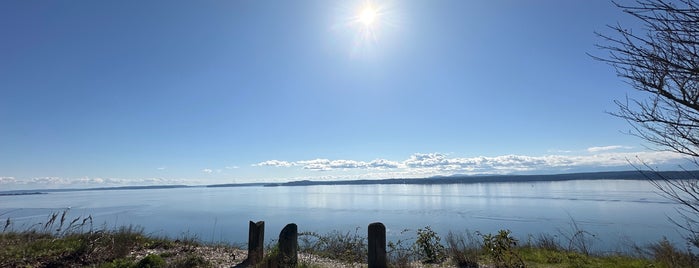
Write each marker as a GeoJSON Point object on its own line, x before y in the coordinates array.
{"type": "Point", "coordinates": [45, 191]}
{"type": "Point", "coordinates": [20, 193]}
{"type": "Point", "coordinates": [237, 184]}
{"type": "Point", "coordinates": [460, 179]}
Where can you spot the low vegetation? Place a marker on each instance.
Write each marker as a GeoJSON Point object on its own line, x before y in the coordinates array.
{"type": "Point", "coordinates": [60, 242]}
{"type": "Point", "coordinates": [500, 250]}
{"type": "Point", "coordinates": [346, 247]}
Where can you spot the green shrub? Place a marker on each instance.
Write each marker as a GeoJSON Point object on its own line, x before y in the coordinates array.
{"type": "Point", "coordinates": [428, 246]}
{"type": "Point", "coordinates": [151, 261]}
{"type": "Point", "coordinates": [190, 260]}
{"type": "Point", "coordinates": [501, 249]}
{"type": "Point", "coordinates": [119, 263]}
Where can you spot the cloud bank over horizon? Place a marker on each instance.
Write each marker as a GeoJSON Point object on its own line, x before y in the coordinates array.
{"type": "Point", "coordinates": [504, 164]}
{"type": "Point", "coordinates": [416, 165]}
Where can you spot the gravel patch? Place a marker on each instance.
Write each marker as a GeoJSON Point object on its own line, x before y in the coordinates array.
{"type": "Point", "coordinates": [224, 256]}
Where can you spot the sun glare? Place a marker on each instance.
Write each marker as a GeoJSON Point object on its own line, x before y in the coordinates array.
{"type": "Point", "coordinates": [368, 21]}
{"type": "Point", "coordinates": [368, 16]}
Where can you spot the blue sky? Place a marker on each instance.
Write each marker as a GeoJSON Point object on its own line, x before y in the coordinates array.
{"type": "Point", "coordinates": [199, 92]}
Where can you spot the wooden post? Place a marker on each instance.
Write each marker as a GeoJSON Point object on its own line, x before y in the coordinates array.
{"type": "Point", "coordinates": [377, 245]}
{"type": "Point", "coordinates": [288, 246]}
{"type": "Point", "coordinates": [256, 243]}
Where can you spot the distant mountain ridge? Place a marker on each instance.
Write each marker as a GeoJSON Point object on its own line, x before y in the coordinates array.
{"type": "Point", "coordinates": [460, 179]}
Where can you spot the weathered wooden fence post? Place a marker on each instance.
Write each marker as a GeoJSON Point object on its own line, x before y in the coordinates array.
{"type": "Point", "coordinates": [288, 246]}
{"type": "Point", "coordinates": [377, 245]}
{"type": "Point", "coordinates": [256, 243]}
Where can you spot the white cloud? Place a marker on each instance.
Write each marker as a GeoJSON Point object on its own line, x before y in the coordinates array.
{"type": "Point", "coordinates": [598, 149]}
{"type": "Point", "coordinates": [48, 180]}
{"type": "Point", "coordinates": [426, 160]}
{"type": "Point", "coordinates": [506, 163]}
{"type": "Point", "coordinates": [231, 167]}
{"type": "Point", "coordinates": [207, 171]}
{"type": "Point", "coordinates": [274, 163]}
{"type": "Point", "coordinates": [559, 151]}
{"type": "Point", "coordinates": [162, 168]}
{"type": "Point", "coordinates": [87, 180]}
{"type": "Point", "coordinates": [7, 180]}
{"type": "Point", "coordinates": [325, 164]}
{"type": "Point", "coordinates": [12, 183]}
{"type": "Point", "coordinates": [153, 181]}
{"type": "Point", "coordinates": [443, 164]}
{"type": "Point", "coordinates": [383, 163]}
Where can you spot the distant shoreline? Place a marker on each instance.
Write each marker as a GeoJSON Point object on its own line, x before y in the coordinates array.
{"type": "Point", "coordinates": [455, 179]}
{"type": "Point", "coordinates": [20, 193]}
{"type": "Point", "coordinates": [465, 179]}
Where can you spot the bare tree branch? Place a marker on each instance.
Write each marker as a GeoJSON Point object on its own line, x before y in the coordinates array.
{"type": "Point", "coordinates": [662, 60]}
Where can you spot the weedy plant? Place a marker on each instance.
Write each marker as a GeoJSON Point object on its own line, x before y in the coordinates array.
{"type": "Point", "coordinates": [579, 240]}
{"type": "Point", "coordinates": [346, 247]}
{"type": "Point", "coordinates": [151, 261]}
{"type": "Point", "coordinates": [463, 250]}
{"type": "Point", "coordinates": [7, 225]}
{"type": "Point", "coordinates": [62, 241]}
{"type": "Point", "coordinates": [400, 252]}
{"type": "Point", "coordinates": [547, 242]}
{"type": "Point", "coordinates": [668, 255]}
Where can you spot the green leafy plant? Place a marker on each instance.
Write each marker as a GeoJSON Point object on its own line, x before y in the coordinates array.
{"type": "Point", "coordinates": [501, 249]}
{"type": "Point", "coordinates": [119, 263]}
{"type": "Point", "coordinates": [151, 261]}
{"type": "Point", "coordinates": [428, 246]}
{"type": "Point", "coordinates": [190, 260]}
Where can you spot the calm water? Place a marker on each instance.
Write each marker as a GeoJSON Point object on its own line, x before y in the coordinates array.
{"type": "Point", "coordinates": [615, 211]}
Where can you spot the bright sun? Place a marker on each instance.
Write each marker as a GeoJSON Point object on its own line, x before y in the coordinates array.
{"type": "Point", "coordinates": [368, 16]}
{"type": "Point", "coordinates": [368, 19]}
